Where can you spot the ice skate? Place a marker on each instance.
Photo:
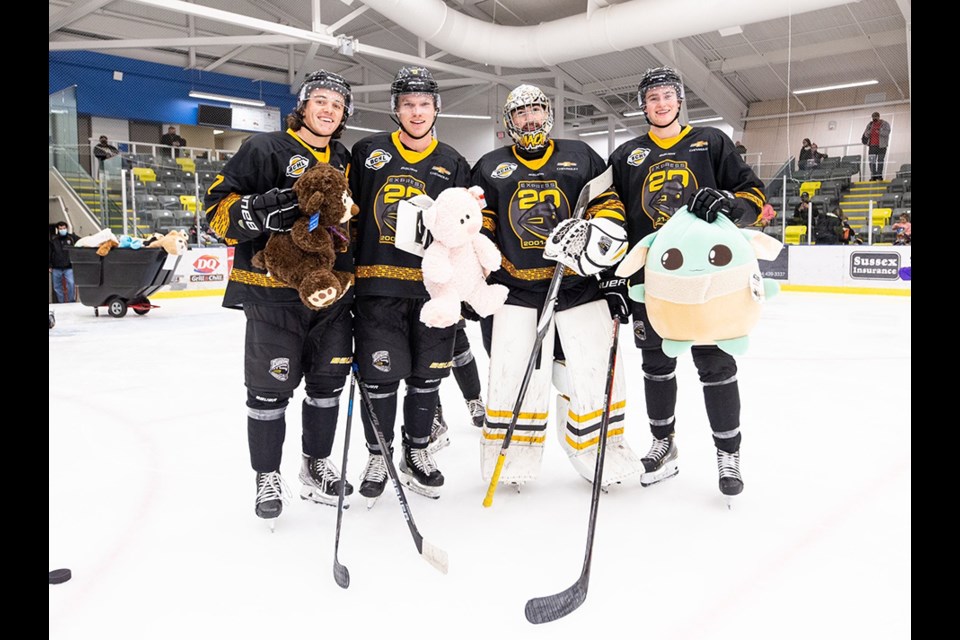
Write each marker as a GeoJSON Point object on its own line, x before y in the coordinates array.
{"type": "Point", "coordinates": [419, 472]}
{"type": "Point", "coordinates": [731, 484]}
{"type": "Point", "coordinates": [477, 411]}
{"type": "Point", "coordinates": [272, 494]}
{"type": "Point", "coordinates": [660, 463]}
{"type": "Point", "coordinates": [438, 431]}
{"type": "Point", "coordinates": [321, 482]}
{"type": "Point", "coordinates": [374, 479]}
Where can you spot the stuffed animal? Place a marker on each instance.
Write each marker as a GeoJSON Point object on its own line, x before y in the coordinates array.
{"type": "Point", "coordinates": [104, 240]}
{"type": "Point", "coordinates": [174, 243]}
{"type": "Point", "coordinates": [456, 263]}
{"type": "Point", "coordinates": [702, 281]}
{"type": "Point", "coordinates": [303, 258]}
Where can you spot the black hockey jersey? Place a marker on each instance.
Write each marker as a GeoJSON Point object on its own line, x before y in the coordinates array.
{"type": "Point", "coordinates": [264, 161]}
{"type": "Point", "coordinates": [384, 172]}
{"type": "Point", "coordinates": [656, 177]}
{"type": "Point", "coordinates": [526, 199]}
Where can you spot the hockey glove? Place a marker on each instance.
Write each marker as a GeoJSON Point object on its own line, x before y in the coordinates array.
{"type": "Point", "coordinates": [587, 246]}
{"type": "Point", "coordinates": [275, 210]}
{"type": "Point", "coordinates": [614, 291]}
{"type": "Point", "coordinates": [708, 202]}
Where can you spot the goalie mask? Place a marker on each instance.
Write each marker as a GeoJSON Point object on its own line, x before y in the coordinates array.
{"type": "Point", "coordinates": [529, 137]}
{"type": "Point", "coordinates": [325, 80]}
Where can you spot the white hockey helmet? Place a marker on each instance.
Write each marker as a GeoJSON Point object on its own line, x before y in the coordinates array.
{"type": "Point", "coordinates": [523, 96]}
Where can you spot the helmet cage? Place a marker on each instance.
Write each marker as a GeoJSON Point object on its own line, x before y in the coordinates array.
{"type": "Point", "coordinates": [414, 80]}
{"type": "Point", "coordinates": [659, 77]}
{"type": "Point", "coordinates": [326, 80]}
{"type": "Point", "coordinates": [524, 96]}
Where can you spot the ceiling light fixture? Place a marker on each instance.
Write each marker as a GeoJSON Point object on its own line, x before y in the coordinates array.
{"type": "Point", "coordinates": [465, 117]}
{"type": "Point", "coordinates": [363, 129]}
{"type": "Point", "coordinates": [848, 85]}
{"type": "Point", "coordinates": [217, 132]}
{"type": "Point", "coordinates": [630, 114]}
{"type": "Point", "coordinates": [702, 120]}
{"type": "Point", "coordinates": [216, 96]}
{"type": "Point", "coordinates": [600, 133]}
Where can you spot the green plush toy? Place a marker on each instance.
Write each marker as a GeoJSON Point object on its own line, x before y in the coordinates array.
{"type": "Point", "coordinates": [702, 281]}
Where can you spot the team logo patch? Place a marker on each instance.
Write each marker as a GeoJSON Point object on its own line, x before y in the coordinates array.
{"type": "Point", "coordinates": [636, 158]}
{"type": "Point", "coordinates": [639, 331]}
{"type": "Point", "coordinates": [296, 166]}
{"type": "Point", "coordinates": [280, 368]}
{"type": "Point", "coordinates": [503, 170]}
{"type": "Point", "coordinates": [381, 361]}
{"type": "Point", "coordinates": [700, 143]}
{"type": "Point", "coordinates": [377, 159]}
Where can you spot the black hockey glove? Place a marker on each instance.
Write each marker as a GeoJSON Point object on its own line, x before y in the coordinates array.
{"type": "Point", "coordinates": [708, 202]}
{"type": "Point", "coordinates": [275, 210]}
{"type": "Point", "coordinates": [614, 291]}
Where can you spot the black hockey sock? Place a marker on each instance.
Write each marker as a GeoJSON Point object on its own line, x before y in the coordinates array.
{"type": "Point", "coordinates": [419, 406]}
{"type": "Point", "coordinates": [468, 376]}
{"type": "Point", "coordinates": [319, 425]}
{"type": "Point", "coordinates": [265, 438]}
{"type": "Point", "coordinates": [660, 391]}
{"type": "Point", "coordinates": [384, 401]}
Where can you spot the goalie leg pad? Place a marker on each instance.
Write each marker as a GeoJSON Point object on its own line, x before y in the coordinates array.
{"type": "Point", "coordinates": [514, 333]}
{"type": "Point", "coordinates": [579, 417]}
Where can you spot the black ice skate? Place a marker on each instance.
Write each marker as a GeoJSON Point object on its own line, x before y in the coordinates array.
{"type": "Point", "coordinates": [731, 484]}
{"type": "Point", "coordinates": [419, 472]}
{"type": "Point", "coordinates": [477, 411]}
{"type": "Point", "coordinates": [271, 495]}
{"type": "Point", "coordinates": [438, 431]}
{"type": "Point", "coordinates": [321, 482]}
{"type": "Point", "coordinates": [660, 463]}
{"type": "Point", "coordinates": [374, 479]}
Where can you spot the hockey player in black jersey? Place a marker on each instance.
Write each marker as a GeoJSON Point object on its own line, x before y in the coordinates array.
{"type": "Point", "coordinates": [531, 187]}
{"type": "Point", "coordinates": [655, 174]}
{"type": "Point", "coordinates": [391, 342]}
{"type": "Point", "coordinates": [286, 342]}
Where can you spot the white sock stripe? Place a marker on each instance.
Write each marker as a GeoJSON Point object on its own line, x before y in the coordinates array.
{"type": "Point", "coordinates": [732, 378]}
{"type": "Point", "coordinates": [725, 435]}
{"type": "Point", "coordinates": [663, 378]}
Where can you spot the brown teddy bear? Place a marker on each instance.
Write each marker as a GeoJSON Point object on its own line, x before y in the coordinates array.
{"type": "Point", "coordinates": [303, 258]}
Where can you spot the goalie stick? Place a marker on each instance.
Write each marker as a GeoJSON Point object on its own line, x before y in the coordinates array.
{"type": "Point", "coordinates": [550, 608]}
{"type": "Point", "coordinates": [434, 555]}
{"type": "Point", "coordinates": [340, 573]}
{"type": "Point", "coordinates": [591, 190]}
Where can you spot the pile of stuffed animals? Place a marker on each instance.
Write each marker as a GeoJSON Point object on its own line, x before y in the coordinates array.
{"type": "Point", "coordinates": [174, 242]}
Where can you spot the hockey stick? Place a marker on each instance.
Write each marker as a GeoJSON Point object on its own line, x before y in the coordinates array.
{"type": "Point", "coordinates": [434, 555]}
{"type": "Point", "coordinates": [550, 608]}
{"type": "Point", "coordinates": [340, 573]}
{"type": "Point", "coordinates": [591, 190]}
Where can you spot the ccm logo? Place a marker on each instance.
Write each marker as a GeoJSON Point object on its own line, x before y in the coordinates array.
{"type": "Point", "coordinates": [206, 264]}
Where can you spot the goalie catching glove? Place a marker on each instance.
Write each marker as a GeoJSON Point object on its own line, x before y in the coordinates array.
{"type": "Point", "coordinates": [587, 246]}
{"type": "Point", "coordinates": [275, 210]}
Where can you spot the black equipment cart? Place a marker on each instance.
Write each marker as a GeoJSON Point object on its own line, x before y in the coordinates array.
{"type": "Point", "coordinates": [121, 279]}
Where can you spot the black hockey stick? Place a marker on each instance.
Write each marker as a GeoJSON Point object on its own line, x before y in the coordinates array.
{"type": "Point", "coordinates": [434, 555]}
{"type": "Point", "coordinates": [550, 608]}
{"type": "Point", "coordinates": [340, 573]}
{"type": "Point", "coordinates": [591, 190]}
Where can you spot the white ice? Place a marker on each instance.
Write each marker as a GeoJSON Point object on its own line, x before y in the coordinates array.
{"type": "Point", "coordinates": [151, 500]}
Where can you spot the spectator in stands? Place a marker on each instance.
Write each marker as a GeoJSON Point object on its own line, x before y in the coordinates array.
{"type": "Point", "coordinates": [60, 266]}
{"type": "Point", "coordinates": [827, 228]}
{"type": "Point", "coordinates": [803, 209]}
{"type": "Point", "coordinates": [815, 157]}
{"type": "Point", "coordinates": [804, 155]}
{"type": "Point", "coordinates": [172, 139]}
{"type": "Point", "coordinates": [847, 234]}
{"type": "Point", "coordinates": [742, 150]}
{"type": "Point", "coordinates": [102, 151]}
{"type": "Point", "coordinates": [902, 229]}
{"type": "Point", "coordinates": [876, 136]}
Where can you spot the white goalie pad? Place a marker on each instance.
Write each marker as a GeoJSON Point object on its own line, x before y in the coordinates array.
{"type": "Point", "coordinates": [587, 246]}
{"type": "Point", "coordinates": [580, 412]}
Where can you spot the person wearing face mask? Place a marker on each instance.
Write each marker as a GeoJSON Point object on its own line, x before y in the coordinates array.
{"type": "Point", "coordinates": [286, 342]}
{"type": "Point", "coordinates": [61, 269]}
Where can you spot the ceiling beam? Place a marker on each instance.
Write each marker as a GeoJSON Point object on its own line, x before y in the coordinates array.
{"type": "Point", "coordinates": [74, 13]}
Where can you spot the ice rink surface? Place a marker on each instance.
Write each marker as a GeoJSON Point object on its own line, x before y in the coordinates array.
{"type": "Point", "coordinates": [151, 500]}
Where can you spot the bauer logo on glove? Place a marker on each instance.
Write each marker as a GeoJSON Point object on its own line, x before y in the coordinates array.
{"type": "Point", "coordinates": [587, 246]}
{"type": "Point", "coordinates": [702, 281]}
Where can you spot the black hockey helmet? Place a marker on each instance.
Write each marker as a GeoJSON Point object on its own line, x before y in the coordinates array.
{"type": "Point", "coordinates": [658, 77]}
{"type": "Point", "coordinates": [326, 80]}
{"type": "Point", "coordinates": [413, 79]}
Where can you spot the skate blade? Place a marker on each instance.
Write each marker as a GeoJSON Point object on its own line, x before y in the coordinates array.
{"type": "Point", "coordinates": [655, 477]}
{"type": "Point", "coordinates": [436, 445]}
{"type": "Point", "coordinates": [729, 502]}
{"type": "Point", "coordinates": [427, 492]}
{"type": "Point", "coordinates": [371, 502]}
{"type": "Point", "coordinates": [311, 494]}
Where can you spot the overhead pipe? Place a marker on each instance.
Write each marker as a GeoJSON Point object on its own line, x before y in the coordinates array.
{"type": "Point", "coordinates": [603, 30]}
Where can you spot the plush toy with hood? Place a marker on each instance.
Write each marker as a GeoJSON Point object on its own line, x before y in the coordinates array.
{"type": "Point", "coordinates": [702, 281]}
{"type": "Point", "coordinates": [303, 257]}
{"type": "Point", "coordinates": [458, 260]}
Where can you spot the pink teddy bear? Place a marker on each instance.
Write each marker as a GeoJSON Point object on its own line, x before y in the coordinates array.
{"type": "Point", "coordinates": [457, 262]}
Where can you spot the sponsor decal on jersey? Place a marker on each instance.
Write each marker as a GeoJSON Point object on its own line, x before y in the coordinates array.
{"type": "Point", "coordinates": [441, 365]}
{"type": "Point", "coordinates": [381, 361]}
{"type": "Point", "coordinates": [636, 158]}
{"type": "Point", "coordinates": [441, 170]}
{"type": "Point", "coordinates": [700, 145]}
{"type": "Point", "coordinates": [377, 159]}
{"type": "Point", "coordinates": [280, 368]}
{"type": "Point", "coordinates": [567, 165]}
{"type": "Point", "coordinates": [341, 360]}
{"type": "Point", "coordinates": [503, 170]}
{"type": "Point", "coordinates": [296, 166]}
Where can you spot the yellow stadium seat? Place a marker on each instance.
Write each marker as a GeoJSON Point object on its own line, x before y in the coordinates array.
{"type": "Point", "coordinates": [810, 187]}
{"type": "Point", "coordinates": [145, 174]}
{"type": "Point", "coordinates": [881, 217]}
{"type": "Point", "coordinates": [189, 203]}
{"type": "Point", "coordinates": [187, 164]}
{"type": "Point", "coordinates": [796, 233]}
